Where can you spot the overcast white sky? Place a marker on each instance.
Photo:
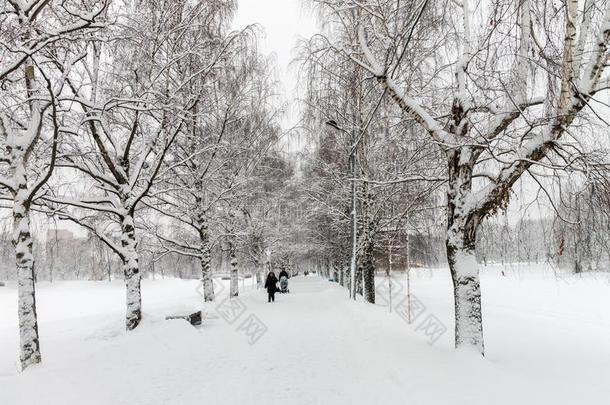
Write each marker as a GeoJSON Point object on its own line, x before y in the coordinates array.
{"type": "Point", "coordinates": [283, 21]}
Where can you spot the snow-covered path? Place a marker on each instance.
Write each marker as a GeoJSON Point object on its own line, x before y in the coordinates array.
{"type": "Point", "coordinates": [318, 348]}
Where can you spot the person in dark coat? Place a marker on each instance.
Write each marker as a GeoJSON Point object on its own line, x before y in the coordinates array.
{"type": "Point", "coordinates": [270, 285]}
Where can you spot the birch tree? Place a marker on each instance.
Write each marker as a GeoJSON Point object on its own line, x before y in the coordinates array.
{"type": "Point", "coordinates": [34, 37]}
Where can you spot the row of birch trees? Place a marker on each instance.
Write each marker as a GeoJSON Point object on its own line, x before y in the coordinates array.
{"type": "Point", "coordinates": [134, 118]}
{"type": "Point", "coordinates": [464, 97]}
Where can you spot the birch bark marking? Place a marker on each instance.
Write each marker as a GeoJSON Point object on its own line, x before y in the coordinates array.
{"type": "Point", "coordinates": [567, 82]}
{"type": "Point", "coordinates": [257, 271]}
{"type": "Point", "coordinates": [131, 271]}
{"type": "Point", "coordinates": [24, 260]}
{"type": "Point", "coordinates": [465, 57]}
{"type": "Point", "coordinates": [234, 287]}
{"type": "Point", "coordinates": [206, 270]}
{"type": "Point", "coordinates": [462, 226]}
{"type": "Point", "coordinates": [523, 57]}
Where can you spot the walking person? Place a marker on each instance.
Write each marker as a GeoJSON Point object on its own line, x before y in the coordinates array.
{"type": "Point", "coordinates": [271, 286]}
{"type": "Point", "coordinates": [283, 281]}
{"type": "Point", "coordinates": [283, 273]}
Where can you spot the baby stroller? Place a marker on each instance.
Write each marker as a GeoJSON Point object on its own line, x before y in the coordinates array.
{"type": "Point", "coordinates": [284, 285]}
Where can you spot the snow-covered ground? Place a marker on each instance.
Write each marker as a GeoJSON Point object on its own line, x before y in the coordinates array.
{"type": "Point", "coordinates": [547, 342]}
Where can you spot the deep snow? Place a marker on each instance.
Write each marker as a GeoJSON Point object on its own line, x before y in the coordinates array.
{"type": "Point", "coordinates": [547, 342]}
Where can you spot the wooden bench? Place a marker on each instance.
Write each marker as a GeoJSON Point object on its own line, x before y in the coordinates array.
{"type": "Point", "coordinates": [194, 319]}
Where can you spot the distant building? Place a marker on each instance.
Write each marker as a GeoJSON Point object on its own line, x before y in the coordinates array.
{"type": "Point", "coordinates": [68, 256]}
{"type": "Point", "coordinates": [59, 234]}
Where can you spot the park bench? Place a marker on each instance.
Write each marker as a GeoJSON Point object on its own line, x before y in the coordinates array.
{"type": "Point", "coordinates": [194, 319]}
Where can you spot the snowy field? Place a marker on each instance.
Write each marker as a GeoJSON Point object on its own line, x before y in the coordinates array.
{"type": "Point", "coordinates": [547, 342]}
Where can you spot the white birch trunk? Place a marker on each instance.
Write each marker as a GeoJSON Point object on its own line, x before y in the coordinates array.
{"type": "Point", "coordinates": [368, 260]}
{"type": "Point", "coordinates": [206, 269]}
{"type": "Point", "coordinates": [368, 272]}
{"type": "Point", "coordinates": [523, 64]}
{"type": "Point", "coordinates": [257, 272]}
{"type": "Point", "coordinates": [206, 272]}
{"type": "Point", "coordinates": [567, 81]}
{"type": "Point", "coordinates": [234, 286]}
{"type": "Point", "coordinates": [131, 271]}
{"type": "Point", "coordinates": [462, 225]}
{"type": "Point", "coordinates": [24, 260]}
{"type": "Point", "coordinates": [466, 292]}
